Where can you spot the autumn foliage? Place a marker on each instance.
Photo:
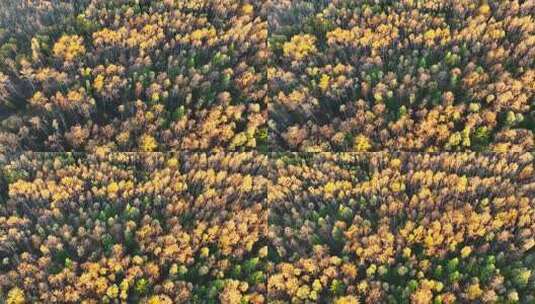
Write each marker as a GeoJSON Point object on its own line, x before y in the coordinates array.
{"type": "Point", "coordinates": [267, 151]}
{"type": "Point", "coordinates": [134, 228]}
{"type": "Point", "coordinates": [283, 228]}
{"type": "Point", "coordinates": [402, 228]}
{"type": "Point", "coordinates": [402, 75]}
{"type": "Point", "coordinates": [132, 75]}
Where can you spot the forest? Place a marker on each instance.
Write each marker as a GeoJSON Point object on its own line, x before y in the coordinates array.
{"type": "Point", "coordinates": [267, 151]}
{"type": "Point", "coordinates": [134, 228]}
{"type": "Point", "coordinates": [409, 75]}
{"type": "Point", "coordinates": [443, 228]}
{"type": "Point", "coordinates": [238, 228]}
{"type": "Point", "coordinates": [132, 75]}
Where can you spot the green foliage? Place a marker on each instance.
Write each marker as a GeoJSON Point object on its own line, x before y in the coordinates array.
{"type": "Point", "coordinates": [337, 287]}
{"type": "Point", "coordinates": [141, 286]}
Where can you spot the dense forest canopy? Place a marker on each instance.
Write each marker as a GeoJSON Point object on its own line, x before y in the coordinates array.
{"type": "Point", "coordinates": [267, 152]}
{"type": "Point", "coordinates": [132, 75]}
{"type": "Point", "coordinates": [410, 75]}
